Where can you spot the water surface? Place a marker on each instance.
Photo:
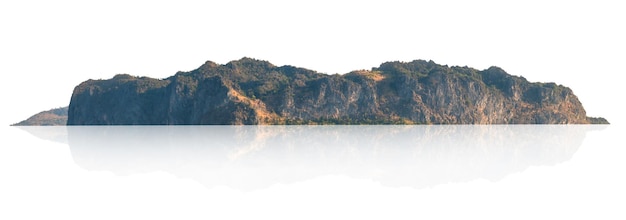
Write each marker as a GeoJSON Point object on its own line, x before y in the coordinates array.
{"type": "Point", "coordinates": [499, 171]}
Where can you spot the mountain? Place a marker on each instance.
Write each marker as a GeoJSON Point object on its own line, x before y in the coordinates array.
{"type": "Point", "coordinates": [250, 91]}
{"type": "Point", "coordinates": [57, 116]}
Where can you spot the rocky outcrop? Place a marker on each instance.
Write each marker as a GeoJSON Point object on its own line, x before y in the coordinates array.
{"type": "Point", "coordinates": [250, 91]}
{"type": "Point", "coordinates": [52, 117]}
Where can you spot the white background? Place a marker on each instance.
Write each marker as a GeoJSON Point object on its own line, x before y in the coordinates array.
{"type": "Point", "coordinates": [48, 47]}
{"type": "Point", "coordinates": [43, 179]}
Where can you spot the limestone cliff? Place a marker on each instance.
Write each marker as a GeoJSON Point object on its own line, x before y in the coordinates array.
{"type": "Point", "coordinates": [249, 91]}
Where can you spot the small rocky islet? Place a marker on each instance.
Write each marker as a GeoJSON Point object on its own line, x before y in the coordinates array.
{"type": "Point", "coordinates": [255, 92]}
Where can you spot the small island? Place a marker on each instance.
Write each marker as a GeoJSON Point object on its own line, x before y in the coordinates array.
{"type": "Point", "coordinates": [52, 117]}
{"type": "Point", "coordinates": [255, 92]}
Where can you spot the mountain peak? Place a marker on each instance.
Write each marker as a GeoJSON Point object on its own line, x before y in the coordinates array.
{"type": "Point", "coordinates": [250, 62]}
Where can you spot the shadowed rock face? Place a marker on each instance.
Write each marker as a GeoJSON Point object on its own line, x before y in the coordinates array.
{"type": "Point", "coordinates": [249, 91]}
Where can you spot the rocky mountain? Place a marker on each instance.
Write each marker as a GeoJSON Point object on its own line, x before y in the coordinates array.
{"type": "Point", "coordinates": [250, 91]}
{"type": "Point", "coordinates": [57, 116]}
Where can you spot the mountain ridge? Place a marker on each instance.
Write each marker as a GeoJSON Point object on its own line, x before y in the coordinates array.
{"type": "Point", "coordinates": [251, 91]}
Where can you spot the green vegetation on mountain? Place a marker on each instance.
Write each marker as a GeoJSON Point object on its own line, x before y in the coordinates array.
{"type": "Point", "coordinates": [57, 116]}
{"type": "Point", "coordinates": [250, 91]}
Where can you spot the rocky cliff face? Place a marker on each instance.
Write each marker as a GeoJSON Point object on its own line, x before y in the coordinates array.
{"type": "Point", "coordinates": [250, 91]}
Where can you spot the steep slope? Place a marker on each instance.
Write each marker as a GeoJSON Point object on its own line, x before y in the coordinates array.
{"type": "Point", "coordinates": [249, 91]}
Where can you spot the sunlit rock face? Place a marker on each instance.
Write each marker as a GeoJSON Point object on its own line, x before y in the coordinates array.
{"type": "Point", "coordinates": [250, 91]}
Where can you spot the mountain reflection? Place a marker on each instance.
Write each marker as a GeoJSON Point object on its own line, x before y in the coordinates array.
{"type": "Point", "coordinates": [254, 157]}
